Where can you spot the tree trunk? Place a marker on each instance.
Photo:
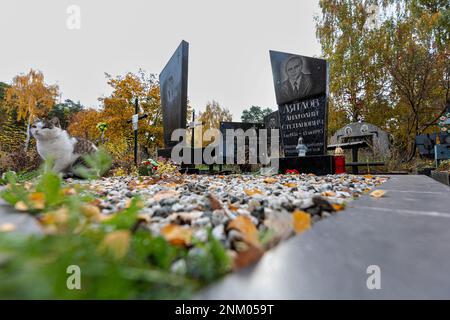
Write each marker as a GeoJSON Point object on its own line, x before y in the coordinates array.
{"type": "Point", "coordinates": [27, 140]}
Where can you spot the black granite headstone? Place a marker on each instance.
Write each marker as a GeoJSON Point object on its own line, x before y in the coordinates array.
{"type": "Point", "coordinates": [306, 118]}
{"type": "Point", "coordinates": [173, 81]}
{"type": "Point", "coordinates": [301, 90]}
{"type": "Point", "coordinates": [235, 126]}
{"type": "Point", "coordinates": [272, 120]}
{"type": "Point", "coordinates": [297, 77]}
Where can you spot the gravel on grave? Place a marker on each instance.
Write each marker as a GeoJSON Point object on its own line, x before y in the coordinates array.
{"type": "Point", "coordinates": [203, 202]}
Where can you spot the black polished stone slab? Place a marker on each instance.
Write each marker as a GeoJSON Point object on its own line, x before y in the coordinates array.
{"type": "Point", "coordinates": [272, 120]}
{"type": "Point", "coordinates": [308, 119]}
{"type": "Point", "coordinates": [164, 152]}
{"type": "Point", "coordinates": [318, 165]}
{"type": "Point", "coordinates": [174, 80]}
{"type": "Point", "coordinates": [406, 234]}
{"type": "Point", "coordinates": [297, 77]}
{"type": "Point", "coordinates": [244, 126]}
{"type": "Point", "coordinates": [195, 158]}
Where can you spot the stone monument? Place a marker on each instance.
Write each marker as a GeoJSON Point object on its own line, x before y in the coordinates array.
{"type": "Point", "coordinates": [301, 90]}
{"type": "Point", "coordinates": [376, 138]}
{"type": "Point", "coordinates": [173, 81]}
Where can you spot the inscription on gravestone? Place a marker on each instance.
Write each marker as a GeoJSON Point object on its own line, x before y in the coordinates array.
{"type": "Point", "coordinates": [173, 81]}
{"type": "Point", "coordinates": [306, 118]}
{"type": "Point", "coordinates": [301, 89]}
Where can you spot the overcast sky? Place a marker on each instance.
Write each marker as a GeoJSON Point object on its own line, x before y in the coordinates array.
{"type": "Point", "coordinates": [228, 55]}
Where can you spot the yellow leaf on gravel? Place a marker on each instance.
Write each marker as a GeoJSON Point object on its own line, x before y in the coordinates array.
{"type": "Point", "coordinates": [245, 225]}
{"type": "Point", "coordinates": [21, 206]}
{"type": "Point", "coordinates": [117, 242]}
{"type": "Point", "coordinates": [329, 193]}
{"type": "Point", "coordinates": [177, 235]}
{"type": "Point", "coordinates": [28, 185]}
{"type": "Point", "coordinates": [378, 193]}
{"type": "Point", "coordinates": [164, 194]}
{"type": "Point", "coordinates": [90, 211]}
{"type": "Point", "coordinates": [7, 227]}
{"type": "Point", "coordinates": [368, 176]}
{"type": "Point", "coordinates": [252, 192]}
{"type": "Point", "coordinates": [69, 191]}
{"type": "Point", "coordinates": [59, 217]}
{"type": "Point", "coordinates": [214, 202]}
{"type": "Point", "coordinates": [171, 185]}
{"type": "Point", "coordinates": [143, 217]}
{"type": "Point", "coordinates": [37, 200]}
{"type": "Point", "coordinates": [290, 185]}
{"type": "Point", "coordinates": [337, 206]}
{"type": "Point", "coordinates": [245, 258]}
{"type": "Point", "coordinates": [270, 180]}
{"type": "Point", "coordinates": [301, 220]}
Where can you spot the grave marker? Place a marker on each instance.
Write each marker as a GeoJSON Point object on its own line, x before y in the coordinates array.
{"type": "Point", "coordinates": [301, 90]}
{"type": "Point", "coordinates": [173, 80]}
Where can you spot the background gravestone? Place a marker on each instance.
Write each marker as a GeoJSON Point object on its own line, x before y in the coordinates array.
{"type": "Point", "coordinates": [173, 81]}
{"type": "Point", "coordinates": [235, 126]}
{"type": "Point", "coordinates": [272, 120]}
{"type": "Point", "coordinates": [301, 90]}
{"type": "Point", "coordinates": [377, 139]}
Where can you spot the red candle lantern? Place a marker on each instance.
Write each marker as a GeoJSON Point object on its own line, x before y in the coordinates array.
{"type": "Point", "coordinates": [339, 164]}
{"type": "Point", "coordinates": [339, 160]}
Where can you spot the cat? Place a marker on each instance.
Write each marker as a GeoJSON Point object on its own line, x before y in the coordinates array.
{"type": "Point", "coordinates": [55, 143]}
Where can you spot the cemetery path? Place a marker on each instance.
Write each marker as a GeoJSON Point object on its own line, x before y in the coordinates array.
{"type": "Point", "coordinates": [22, 222]}
{"type": "Point", "coordinates": [406, 234]}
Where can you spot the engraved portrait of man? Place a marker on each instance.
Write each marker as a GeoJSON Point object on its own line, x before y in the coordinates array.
{"type": "Point", "coordinates": [170, 90]}
{"type": "Point", "coordinates": [298, 83]}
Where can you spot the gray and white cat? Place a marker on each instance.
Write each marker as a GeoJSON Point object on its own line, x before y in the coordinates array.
{"type": "Point", "coordinates": [54, 142]}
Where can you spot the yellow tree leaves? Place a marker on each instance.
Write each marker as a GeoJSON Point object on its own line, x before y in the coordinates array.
{"type": "Point", "coordinates": [393, 74]}
{"type": "Point", "coordinates": [177, 235]}
{"type": "Point", "coordinates": [246, 227]}
{"type": "Point", "coordinates": [252, 192]}
{"type": "Point", "coordinates": [211, 118]}
{"type": "Point", "coordinates": [301, 221]}
{"type": "Point", "coordinates": [30, 96]}
{"type": "Point", "coordinates": [83, 124]}
{"type": "Point", "coordinates": [249, 250]}
{"type": "Point", "coordinates": [213, 115]}
{"type": "Point", "coordinates": [377, 193]}
{"type": "Point", "coordinates": [117, 111]}
{"type": "Point", "coordinates": [35, 201]}
{"type": "Point", "coordinates": [165, 194]}
{"type": "Point", "coordinates": [270, 180]}
{"type": "Point", "coordinates": [7, 227]}
{"type": "Point", "coordinates": [117, 243]}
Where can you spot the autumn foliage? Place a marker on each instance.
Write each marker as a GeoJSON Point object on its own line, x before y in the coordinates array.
{"type": "Point", "coordinates": [117, 111]}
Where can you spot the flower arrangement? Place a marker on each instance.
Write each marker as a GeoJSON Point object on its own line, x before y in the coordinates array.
{"type": "Point", "coordinates": [161, 166]}
{"type": "Point", "coordinates": [444, 165]}
{"type": "Point", "coordinates": [148, 167]}
{"type": "Point", "coordinates": [167, 166]}
{"type": "Point", "coordinates": [444, 122]}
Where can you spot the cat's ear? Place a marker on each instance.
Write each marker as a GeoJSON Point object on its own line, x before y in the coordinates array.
{"type": "Point", "coordinates": [55, 122]}
{"type": "Point", "coordinates": [35, 120]}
